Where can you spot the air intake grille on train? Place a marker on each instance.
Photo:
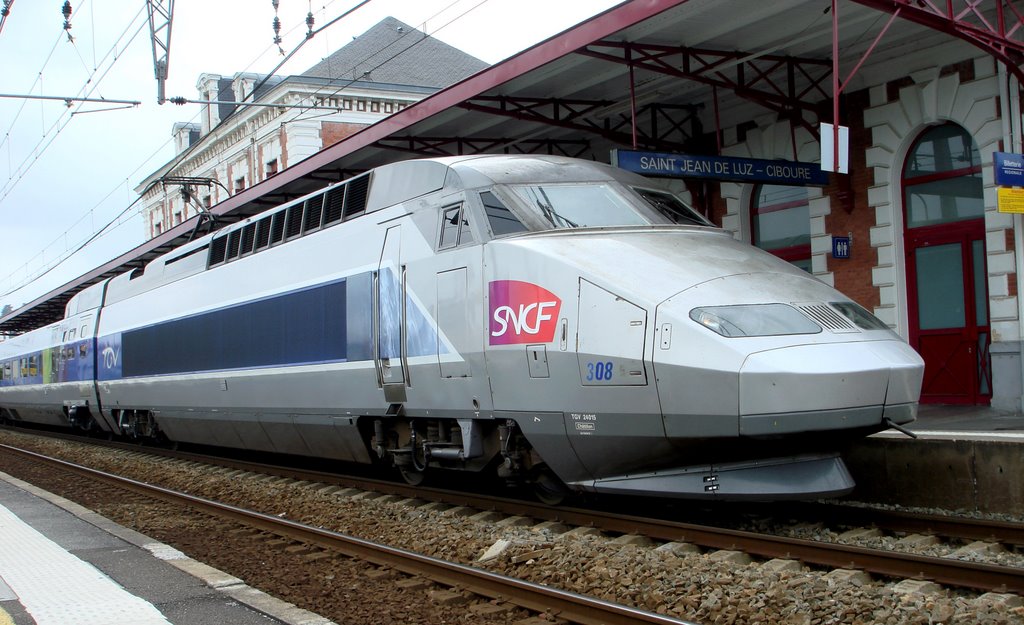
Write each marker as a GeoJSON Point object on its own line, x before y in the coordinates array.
{"type": "Point", "coordinates": [828, 318]}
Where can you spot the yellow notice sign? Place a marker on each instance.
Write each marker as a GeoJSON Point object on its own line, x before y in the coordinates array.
{"type": "Point", "coordinates": [1010, 200]}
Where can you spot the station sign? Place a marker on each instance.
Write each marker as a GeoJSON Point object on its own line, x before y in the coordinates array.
{"type": "Point", "coordinates": [1009, 169]}
{"type": "Point", "coordinates": [726, 168]}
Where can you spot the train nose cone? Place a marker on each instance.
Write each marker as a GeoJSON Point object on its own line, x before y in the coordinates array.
{"type": "Point", "coordinates": [828, 386]}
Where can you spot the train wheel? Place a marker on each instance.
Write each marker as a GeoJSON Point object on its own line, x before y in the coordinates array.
{"type": "Point", "coordinates": [546, 486]}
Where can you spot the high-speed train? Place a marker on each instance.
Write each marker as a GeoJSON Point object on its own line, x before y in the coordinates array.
{"type": "Point", "coordinates": [558, 322]}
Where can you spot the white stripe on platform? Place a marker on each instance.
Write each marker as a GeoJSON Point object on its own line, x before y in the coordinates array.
{"type": "Point", "coordinates": [57, 588]}
{"type": "Point", "coordinates": [959, 434]}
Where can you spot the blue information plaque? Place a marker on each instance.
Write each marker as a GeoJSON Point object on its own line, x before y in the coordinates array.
{"type": "Point", "coordinates": [1009, 169]}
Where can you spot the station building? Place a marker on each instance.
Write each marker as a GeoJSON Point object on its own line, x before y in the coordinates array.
{"type": "Point", "coordinates": [242, 139]}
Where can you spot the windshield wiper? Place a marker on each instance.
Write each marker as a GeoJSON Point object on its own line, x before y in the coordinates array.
{"type": "Point", "coordinates": [551, 214]}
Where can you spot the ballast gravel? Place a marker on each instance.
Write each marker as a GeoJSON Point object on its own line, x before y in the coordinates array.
{"type": "Point", "coordinates": [708, 587]}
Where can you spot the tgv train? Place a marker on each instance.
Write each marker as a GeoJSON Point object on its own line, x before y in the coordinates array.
{"type": "Point", "coordinates": [559, 322]}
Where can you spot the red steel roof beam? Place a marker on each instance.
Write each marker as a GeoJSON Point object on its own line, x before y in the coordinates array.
{"type": "Point", "coordinates": [1002, 39]}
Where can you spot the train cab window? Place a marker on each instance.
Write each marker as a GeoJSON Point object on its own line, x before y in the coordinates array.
{"type": "Point", "coordinates": [455, 228]}
{"type": "Point", "coordinates": [500, 218]}
{"type": "Point", "coordinates": [587, 205]}
{"type": "Point", "coordinates": [672, 207]}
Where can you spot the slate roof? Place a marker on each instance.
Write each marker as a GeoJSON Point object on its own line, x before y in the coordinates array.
{"type": "Point", "coordinates": [395, 53]}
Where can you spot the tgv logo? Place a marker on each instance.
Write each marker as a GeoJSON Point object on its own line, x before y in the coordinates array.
{"type": "Point", "coordinates": [522, 312]}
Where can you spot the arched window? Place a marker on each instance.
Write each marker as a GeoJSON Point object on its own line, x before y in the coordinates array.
{"type": "Point", "coordinates": [942, 178]}
{"type": "Point", "coordinates": [781, 223]}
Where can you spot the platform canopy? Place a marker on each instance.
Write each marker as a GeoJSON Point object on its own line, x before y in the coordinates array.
{"type": "Point", "coordinates": [661, 75]}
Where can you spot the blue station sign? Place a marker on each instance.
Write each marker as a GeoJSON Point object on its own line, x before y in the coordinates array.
{"type": "Point", "coordinates": [753, 170]}
{"type": "Point", "coordinates": [1009, 169]}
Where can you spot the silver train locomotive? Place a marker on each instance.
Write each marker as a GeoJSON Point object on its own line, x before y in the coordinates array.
{"type": "Point", "coordinates": [559, 322]}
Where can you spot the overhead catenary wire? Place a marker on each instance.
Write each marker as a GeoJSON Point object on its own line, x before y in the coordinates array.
{"type": "Point", "coordinates": [66, 255]}
{"type": "Point", "coordinates": [90, 86]}
{"type": "Point", "coordinates": [348, 83]}
{"type": "Point", "coordinates": [310, 107]}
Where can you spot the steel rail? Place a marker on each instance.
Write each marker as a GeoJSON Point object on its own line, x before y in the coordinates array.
{"type": "Point", "coordinates": [935, 524]}
{"type": "Point", "coordinates": [951, 572]}
{"type": "Point", "coordinates": [566, 605]}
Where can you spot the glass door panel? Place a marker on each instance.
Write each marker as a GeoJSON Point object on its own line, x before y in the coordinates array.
{"type": "Point", "coordinates": [940, 287]}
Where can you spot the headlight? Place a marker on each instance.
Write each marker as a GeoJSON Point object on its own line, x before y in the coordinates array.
{"type": "Point", "coordinates": [754, 320]}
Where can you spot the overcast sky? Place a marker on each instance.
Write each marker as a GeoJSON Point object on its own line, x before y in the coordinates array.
{"type": "Point", "coordinates": [66, 171]}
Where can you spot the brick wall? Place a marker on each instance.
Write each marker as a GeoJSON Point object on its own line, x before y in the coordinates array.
{"type": "Point", "coordinates": [333, 132]}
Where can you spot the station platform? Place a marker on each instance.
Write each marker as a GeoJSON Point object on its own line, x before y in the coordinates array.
{"type": "Point", "coordinates": [967, 458]}
{"type": "Point", "coordinates": [62, 564]}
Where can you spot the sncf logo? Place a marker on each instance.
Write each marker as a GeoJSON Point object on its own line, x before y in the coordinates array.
{"type": "Point", "coordinates": [522, 312]}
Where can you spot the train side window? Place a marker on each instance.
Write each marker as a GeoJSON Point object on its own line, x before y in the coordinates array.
{"type": "Point", "coordinates": [277, 228]}
{"type": "Point", "coordinates": [71, 335]}
{"type": "Point", "coordinates": [455, 228]}
{"type": "Point", "coordinates": [294, 227]}
{"type": "Point", "coordinates": [334, 204]}
{"type": "Point", "coordinates": [450, 227]}
{"type": "Point", "coordinates": [234, 239]}
{"type": "Point", "coordinates": [218, 249]}
{"type": "Point", "coordinates": [500, 218]}
{"type": "Point", "coordinates": [248, 238]}
{"type": "Point", "coordinates": [262, 233]}
{"type": "Point", "coordinates": [314, 214]}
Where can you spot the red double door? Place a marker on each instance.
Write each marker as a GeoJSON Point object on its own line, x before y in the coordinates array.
{"type": "Point", "coordinates": [949, 320]}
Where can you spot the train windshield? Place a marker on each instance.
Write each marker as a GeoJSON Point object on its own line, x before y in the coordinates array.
{"type": "Point", "coordinates": [579, 206]}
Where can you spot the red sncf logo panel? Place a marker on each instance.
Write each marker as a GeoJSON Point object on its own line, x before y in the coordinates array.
{"type": "Point", "coordinates": [522, 312]}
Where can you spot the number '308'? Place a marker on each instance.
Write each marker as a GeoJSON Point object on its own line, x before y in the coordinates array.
{"type": "Point", "coordinates": [599, 371]}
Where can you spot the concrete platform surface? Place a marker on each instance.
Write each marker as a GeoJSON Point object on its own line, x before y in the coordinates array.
{"type": "Point", "coordinates": [932, 418]}
{"type": "Point", "coordinates": [62, 564]}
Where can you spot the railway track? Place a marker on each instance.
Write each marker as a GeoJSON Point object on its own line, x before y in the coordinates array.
{"type": "Point", "coordinates": [568, 606]}
{"type": "Point", "coordinates": [951, 572]}
{"type": "Point", "coordinates": [897, 521]}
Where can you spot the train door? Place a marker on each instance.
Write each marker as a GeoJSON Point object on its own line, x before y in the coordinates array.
{"type": "Point", "coordinates": [390, 355]}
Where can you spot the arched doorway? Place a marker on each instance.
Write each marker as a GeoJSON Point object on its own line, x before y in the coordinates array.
{"type": "Point", "coordinates": [947, 286]}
